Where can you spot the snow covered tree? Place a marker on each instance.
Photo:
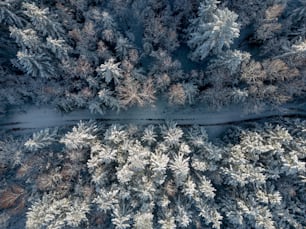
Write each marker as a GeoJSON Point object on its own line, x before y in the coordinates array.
{"type": "Point", "coordinates": [80, 136]}
{"type": "Point", "coordinates": [36, 64]}
{"type": "Point", "coordinates": [51, 212]}
{"type": "Point", "coordinates": [133, 92]}
{"type": "Point", "coordinates": [41, 139]}
{"type": "Point", "coordinates": [176, 94]}
{"type": "Point", "coordinates": [212, 34]}
{"type": "Point", "coordinates": [26, 38]}
{"type": "Point", "coordinates": [110, 71]}
{"type": "Point", "coordinates": [42, 21]}
{"type": "Point", "coordinates": [108, 99]}
{"type": "Point", "coordinates": [58, 47]}
{"type": "Point", "coordinates": [180, 168]}
{"type": "Point", "coordinates": [230, 60]}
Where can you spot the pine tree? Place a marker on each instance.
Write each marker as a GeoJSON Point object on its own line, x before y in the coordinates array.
{"type": "Point", "coordinates": [8, 14]}
{"type": "Point", "coordinates": [110, 71]}
{"type": "Point", "coordinates": [36, 64]}
{"type": "Point", "coordinates": [212, 34]}
{"type": "Point", "coordinates": [40, 19]}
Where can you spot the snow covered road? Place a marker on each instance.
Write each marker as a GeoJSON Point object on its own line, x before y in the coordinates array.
{"type": "Point", "coordinates": [32, 117]}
